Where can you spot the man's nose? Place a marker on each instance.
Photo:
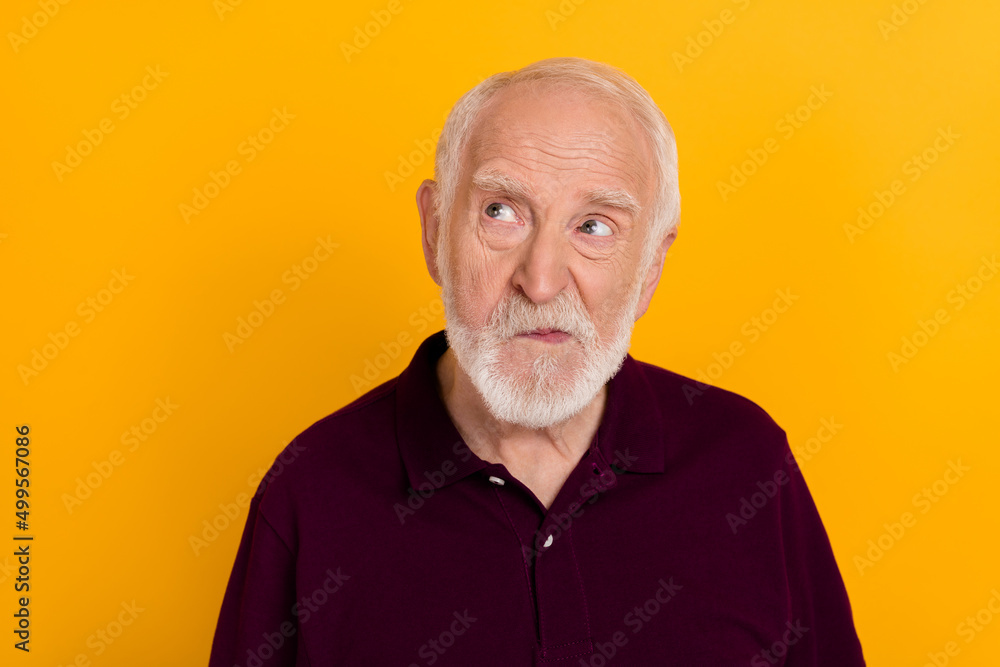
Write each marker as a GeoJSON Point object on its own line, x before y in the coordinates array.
{"type": "Point", "coordinates": [542, 271]}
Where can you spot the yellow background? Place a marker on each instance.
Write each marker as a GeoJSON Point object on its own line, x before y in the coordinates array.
{"type": "Point", "coordinates": [362, 115]}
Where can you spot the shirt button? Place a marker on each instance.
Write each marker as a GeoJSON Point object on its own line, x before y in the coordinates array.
{"type": "Point", "coordinates": [496, 480]}
{"type": "Point", "coordinates": [548, 542]}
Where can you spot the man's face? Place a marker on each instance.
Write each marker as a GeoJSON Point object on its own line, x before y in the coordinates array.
{"type": "Point", "coordinates": [539, 261]}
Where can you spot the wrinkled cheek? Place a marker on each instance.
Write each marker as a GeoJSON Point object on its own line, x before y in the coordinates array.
{"type": "Point", "coordinates": [481, 283]}
{"type": "Point", "coordinates": [606, 319]}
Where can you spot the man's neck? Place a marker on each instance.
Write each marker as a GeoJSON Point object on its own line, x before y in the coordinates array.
{"type": "Point", "coordinates": [541, 459]}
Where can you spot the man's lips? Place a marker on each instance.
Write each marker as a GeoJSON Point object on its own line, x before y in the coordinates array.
{"type": "Point", "coordinates": [547, 335]}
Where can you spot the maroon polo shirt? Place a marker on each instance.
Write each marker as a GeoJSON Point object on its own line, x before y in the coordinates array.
{"type": "Point", "coordinates": [685, 536]}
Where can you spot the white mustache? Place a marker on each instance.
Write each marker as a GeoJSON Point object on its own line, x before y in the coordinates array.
{"type": "Point", "coordinates": [518, 314]}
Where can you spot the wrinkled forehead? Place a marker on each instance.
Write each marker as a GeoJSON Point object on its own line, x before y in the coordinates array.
{"type": "Point", "coordinates": [564, 127]}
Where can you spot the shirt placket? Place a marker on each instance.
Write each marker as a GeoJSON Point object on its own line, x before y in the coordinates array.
{"type": "Point", "coordinates": [559, 595]}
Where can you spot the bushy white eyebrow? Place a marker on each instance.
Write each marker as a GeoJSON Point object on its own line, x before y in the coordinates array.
{"type": "Point", "coordinates": [494, 180]}
{"type": "Point", "coordinates": [615, 198]}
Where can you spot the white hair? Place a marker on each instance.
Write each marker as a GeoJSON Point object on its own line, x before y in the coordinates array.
{"type": "Point", "coordinates": [599, 79]}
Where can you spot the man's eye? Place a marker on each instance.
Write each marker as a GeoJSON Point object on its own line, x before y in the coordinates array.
{"type": "Point", "coordinates": [595, 228]}
{"type": "Point", "coordinates": [502, 212]}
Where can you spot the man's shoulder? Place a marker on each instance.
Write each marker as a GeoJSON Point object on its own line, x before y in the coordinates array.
{"type": "Point", "coordinates": [693, 405]}
{"type": "Point", "coordinates": [378, 398]}
{"type": "Point", "coordinates": [721, 434]}
{"type": "Point", "coordinates": [344, 442]}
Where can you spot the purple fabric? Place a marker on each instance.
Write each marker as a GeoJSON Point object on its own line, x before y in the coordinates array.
{"type": "Point", "coordinates": [685, 536]}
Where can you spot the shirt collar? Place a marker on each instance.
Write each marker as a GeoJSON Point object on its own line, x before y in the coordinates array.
{"type": "Point", "coordinates": [630, 436]}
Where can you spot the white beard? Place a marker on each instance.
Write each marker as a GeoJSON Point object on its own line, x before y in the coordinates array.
{"type": "Point", "coordinates": [557, 386]}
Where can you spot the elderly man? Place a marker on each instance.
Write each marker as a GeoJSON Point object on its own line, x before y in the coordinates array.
{"type": "Point", "coordinates": [525, 492]}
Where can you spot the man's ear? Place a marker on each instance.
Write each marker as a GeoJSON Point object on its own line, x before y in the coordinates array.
{"type": "Point", "coordinates": [429, 225]}
{"type": "Point", "coordinates": [652, 278]}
